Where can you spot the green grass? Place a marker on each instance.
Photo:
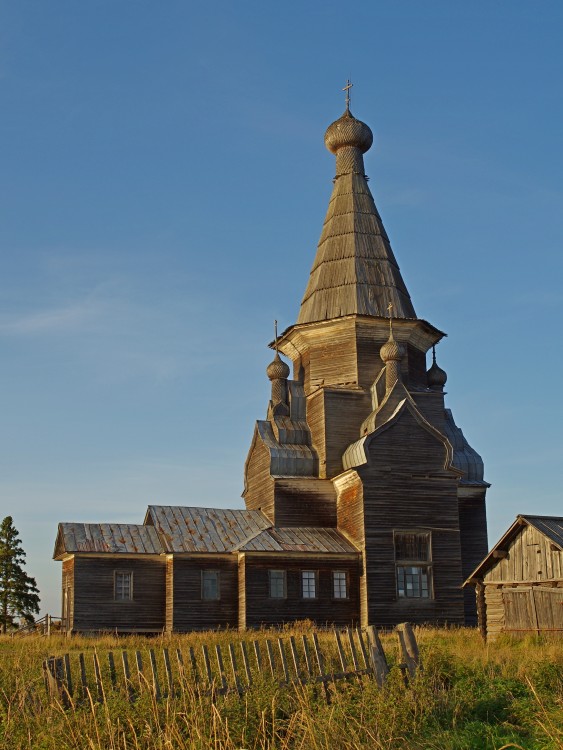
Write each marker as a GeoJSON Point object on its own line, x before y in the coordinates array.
{"type": "Point", "coordinates": [469, 697]}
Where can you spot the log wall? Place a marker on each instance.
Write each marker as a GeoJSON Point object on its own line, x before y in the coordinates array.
{"type": "Point", "coordinates": [261, 610]}
{"type": "Point", "coordinates": [191, 611]}
{"type": "Point", "coordinates": [94, 605]}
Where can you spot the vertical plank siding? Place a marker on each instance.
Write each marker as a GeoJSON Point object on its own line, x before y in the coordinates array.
{"type": "Point", "coordinates": [191, 611]}
{"type": "Point", "coordinates": [474, 544]}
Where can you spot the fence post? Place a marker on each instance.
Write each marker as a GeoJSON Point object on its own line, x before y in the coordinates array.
{"type": "Point", "coordinates": [377, 656]}
{"type": "Point", "coordinates": [48, 624]}
{"type": "Point", "coordinates": [409, 648]}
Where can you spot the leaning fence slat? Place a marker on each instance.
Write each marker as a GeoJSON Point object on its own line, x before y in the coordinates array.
{"type": "Point", "coordinates": [68, 675]}
{"type": "Point", "coordinates": [295, 657]}
{"type": "Point", "coordinates": [98, 678]}
{"type": "Point", "coordinates": [139, 663]}
{"type": "Point", "coordinates": [341, 653]}
{"type": "Point", "coordinates": [271, 661]}
{"type": "Point", "coordinates": [155, 683]}
{"type": "Point", "coordinates": [168, 670]}
{"type": "Point", "coordinates": [207, 663]}
{"type": "Point", "coordinates": [83, 678]}
{"type": "Point", "coordinates": [283, 661]}
{"type": "Point", "coordinates": [221, 668]}
{"type": "Point", "coordinates": [258, 655]}
{"type": "Point", "coordinates": [246, 663]}
{"type": "Point", "coordinates": [409, 648]}
{"type": "Point", "coordinates": [193, 663]}
{"type": "Point", "coordinates": [377, 656]}
{"type": "Point", "coordinates": [112, 673]}
{"type": "Point", "coordinates": [321, 666]}
{"type": "Point", "coordinates": [234, 668]}
{"type": "Point", "coordinates": [46, 677]}
{"type": "Point", "coordinates": [307, 656]}
{"type": "Point", "coordinates": [127, 676]}
{"type": "Point", "coordinates": [363, 649]}
{"type": "Point", "coordinates": [353, 651]}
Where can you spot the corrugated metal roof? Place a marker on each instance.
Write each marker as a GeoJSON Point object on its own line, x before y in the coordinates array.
{"type": "Point", "coordinates": [551, 526]}
{"type": "Point", "coordinates": [299, 539]}
{"type": "Point", "coordinates": [184, 529]}
{"type": "Point", "coordinates": [107, 537]}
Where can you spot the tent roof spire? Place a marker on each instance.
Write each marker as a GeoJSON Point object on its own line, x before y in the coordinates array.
{"type": "Point", "coordinates": [355, 271]}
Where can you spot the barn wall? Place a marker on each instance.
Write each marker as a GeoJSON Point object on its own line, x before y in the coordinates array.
{"type": "Point", "coordinates": [191, 612]}
{"type": "Point", "coordinates": [259, 492]}
{"type": "Point", "coordinates": [94, 605]}
{"type": "Point", "coordinates": [405, 487]}
{"type": "Point", "coordinates": [261, 610]}
{"type": "Point", "coordinates": [474, 544]}
{"type": "Point", "coordinates": [305, 502]}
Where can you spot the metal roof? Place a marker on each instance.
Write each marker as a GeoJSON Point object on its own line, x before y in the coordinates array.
{"type": "Point", "coordinates": [107, 537]}
{"type": "Point", "coordinates": [299, 539]}
{"type": "Point", "coordinates": [184, 529]}
{"type": "Point", "coordinates": [551, 526]}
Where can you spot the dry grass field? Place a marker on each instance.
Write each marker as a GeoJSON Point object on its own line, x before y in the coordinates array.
{"type": "Point", "coordinates": [469, 697]}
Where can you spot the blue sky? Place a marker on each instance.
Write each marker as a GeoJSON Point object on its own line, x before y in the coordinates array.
{"type": "Point", "coordinates": [163, 186]}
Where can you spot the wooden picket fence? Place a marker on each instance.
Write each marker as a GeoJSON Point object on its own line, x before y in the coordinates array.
{"type": "Point", "coordinates": [352, 655]}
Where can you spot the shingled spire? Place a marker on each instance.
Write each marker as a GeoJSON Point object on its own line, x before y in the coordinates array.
{"type": "Point", "coordinates": [355, 271]}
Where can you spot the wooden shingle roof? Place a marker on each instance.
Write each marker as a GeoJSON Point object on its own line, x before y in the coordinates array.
{"type": "Point", "coordinates": [355, 271]}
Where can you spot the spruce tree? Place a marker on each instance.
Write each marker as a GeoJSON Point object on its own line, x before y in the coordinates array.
{"type": "Point", "coordinates": [18, 591]}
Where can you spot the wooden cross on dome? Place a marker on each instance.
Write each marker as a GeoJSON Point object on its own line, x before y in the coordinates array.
{"type": "Point", "coordinates": [347, 88]}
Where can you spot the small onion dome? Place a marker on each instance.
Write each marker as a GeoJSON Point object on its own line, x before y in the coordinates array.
{"type": "Point", "coordinates": [277, 370]}
{"type": "Point", "coordinates": [347, 131]}
{"type": "Point", "coordinates": [436, 377]}
{"type": "Point", "coordinates": [391, 350]}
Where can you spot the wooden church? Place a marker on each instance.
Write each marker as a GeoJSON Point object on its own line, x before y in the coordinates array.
{"type": "Point", "coordinates": [364, 501]}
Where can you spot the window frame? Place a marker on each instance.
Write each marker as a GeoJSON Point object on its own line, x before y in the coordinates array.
{"type": "Point", "coordinates": [284, 584]}
{"type": "Point", "coordinates": [425, 567]}
{"type": "Point", "coordinates": [217, 572]}
{"type": "Point", "coordinates": [315, 580]}
{"type": "Point", "coordinates": [346, 585]}
{"type": "Point", "coordinates": [117, 598]}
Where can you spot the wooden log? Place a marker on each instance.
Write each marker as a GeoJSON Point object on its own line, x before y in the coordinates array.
{"type": "Point", "coordinates": [377, 656]}
{"type": "Point", "coordinates": [56, 681]}
{"type": "Point", "coordinates": [409, 648]}
{"type": "Point", "coordinates": [234, 668]}
{"type": "Point", "coordinates": [168, 670]}
{"type": "Point", "coordinates": [100, 694]}
{"type": "Point", "coordinates": [127, 676]}
{"type": "Point", "coordinates": [112, 673]}
{"type": "Point", "coordinates": [246, 663]}
{"type": "Point", "coordinates": [155, 683]}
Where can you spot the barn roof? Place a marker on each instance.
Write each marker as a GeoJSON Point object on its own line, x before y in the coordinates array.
{"type": "Point", "coordinates": [550, 526]}
{"type": "Point", "coordinates": [185, 529]}
{"type": "Point", "coordinates": [107, 537]}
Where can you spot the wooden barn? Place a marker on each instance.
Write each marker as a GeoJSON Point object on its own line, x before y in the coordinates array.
{"type": "Point", "coordinates": [364, 501]}
{"type": "Point", "coordinates": [519, 584]}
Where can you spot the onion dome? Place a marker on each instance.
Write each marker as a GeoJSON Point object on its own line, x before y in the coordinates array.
{"type": "Point", "coordinates": [435, 376]}
{"type": "Point", "coordinates": [347, 131]}
{"type": "Point", "coordinates": [391, 350]}
{"type": "Point", "coordinates": [278, 369]}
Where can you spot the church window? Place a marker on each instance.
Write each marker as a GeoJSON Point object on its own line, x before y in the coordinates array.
{"type": "Point", "coordinates": [277, 584]}
{"type": "Point", "coordinates": [413, 564]}
{"type": "Point", "coordinates": [123, 586]}
{"type": "Point", "coordinates": [210, 585]}
{"type": "Point", "coordinates": [309, 584]}
{"type": "Point", "coordinates": [339, 584]}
